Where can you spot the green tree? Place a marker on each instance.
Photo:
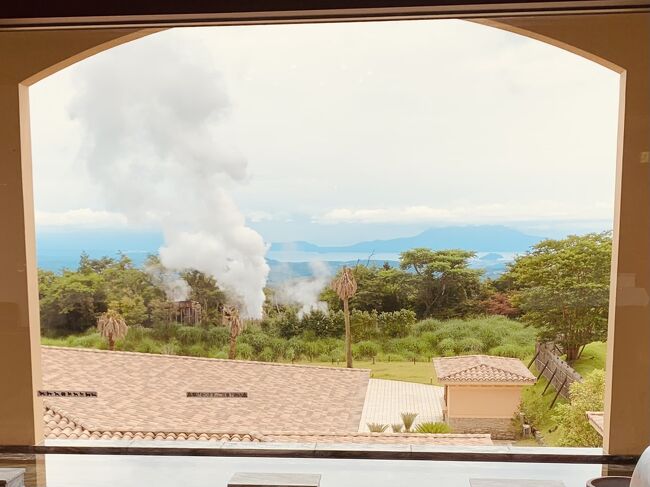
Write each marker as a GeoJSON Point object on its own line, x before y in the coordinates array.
{"type": "Point", "coordinates": [70, 301]}
{"type": "Point", "coordinates": [206, 292]}
{"type": "Point", "coordinates": [112, 327]}
{"type": "Point", "coordinates": [562, 288]}
{"type": "Point", "coordinates": [573, 425]}
{"type": "Point", "coordinates": [445, 284]}
{"type": "Point", "coordinates": [397, 324]}
{"type": "Point", "coordinates": [381, 289]}
{"type": "Point", "coordinates": [345, 286]}
{"type": "Point", "coordinates": [131, 308]}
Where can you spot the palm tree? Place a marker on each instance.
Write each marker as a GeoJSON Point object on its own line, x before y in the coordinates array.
{"type": "Point", "coordinates": [345, 286]}
{"type": "Point", "coordinates": [231, 318]}
{"type": "Point", "coordinates": [112, 326]}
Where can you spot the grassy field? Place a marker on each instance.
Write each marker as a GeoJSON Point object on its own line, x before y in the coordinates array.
{"type": "Point", "coordinates": [593, 357]}
{"type": "Point", "coordinates": [420, 372]}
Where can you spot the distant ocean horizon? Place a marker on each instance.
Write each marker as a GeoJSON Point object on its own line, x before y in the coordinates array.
{"type": "Point", "coordinates": [57, 251]}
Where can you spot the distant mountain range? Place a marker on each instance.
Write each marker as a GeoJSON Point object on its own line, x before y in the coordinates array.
{"type": "Point", "coordinates": [287, 260]}
{"type": "Point", "coordinates": [479, 238]}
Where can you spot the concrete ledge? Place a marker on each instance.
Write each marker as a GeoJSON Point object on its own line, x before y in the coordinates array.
{"type": "Point", "coordinates": [241, 479]}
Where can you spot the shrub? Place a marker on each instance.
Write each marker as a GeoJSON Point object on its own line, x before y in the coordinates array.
{"type": "Point", "coordinates": [408, 419]}
{"type": "Point", "coordinates": [311, 350]}
{"type": "Point", "coordinates": [216, 336]}
{"type": "Point", "coordinates": [447, 347]}
{"type": "Point", "coordinates": [425, 326]}
{"type": "Point", "coordinates": [469, 345]}
{"type": "Point", "coordinates": [257, 339]}
{"type": "Point", "coordinates": [491, 336]}
{"type": "Point", "coordinates": [432, 427]}
{"type": "Point", "coordinates": [221, 354]}
{"type": "Point", "coordinates": [170, 348]}
{"type": "Point", "coordinates": [317, 322]}
{"type": "Point", "coordinates": [377, 427]}
{"type": "Point", "coordinates": [429, 341]}
{"type": "Point", "coordinates": [573, 425]}
{"type": "Point", "coordinates": [396, 427]}
{"type": "Point", "coordinates": [279, 346]}
{"type": "Point", "coordinates": [267, 355]}
{"type": "Point", "coordinates": [365, 350]}
{"type": "Point", "coordinates": [287, 324]}
{"type": "Point", "coordinates": [92, 340]}
{"type": "Point", "coordinates": [363, 325]}
{"type": "Point", "coordinates": [189, 335]}
{"type": "Point", "coordinates": [165, 331]}
{"type": "Point", "coordinates": [147, 345]}
{"type": "Point", "coordinates": [509, 350]}
{"type": "Point", "coordinates": [196, 350]}
{"type": "Point", "coordinates": [244, 351]}
{"type": "Point", "coordinates": [397, 324]}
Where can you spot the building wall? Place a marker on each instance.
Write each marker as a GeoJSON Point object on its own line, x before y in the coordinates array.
{"type": "Point", "coordinates": [499, 428]}
{"type": "Point", "coordinates": [483, 409]}
{"type": "Point", "coordinates": [483, 401]}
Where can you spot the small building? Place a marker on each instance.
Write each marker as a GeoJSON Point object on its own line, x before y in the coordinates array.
{"type": "Point", "coordinates": [482, 392]}
{"type": "Point", "coordinates": [186, 312]}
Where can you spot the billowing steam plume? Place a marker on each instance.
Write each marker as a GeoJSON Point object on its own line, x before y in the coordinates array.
{"type": "Point", "coordinates": [176, 288]}
{"type": "Point", "coordinates": [305, 291]}
{"type": "Point", "coordinates": [155, 147]}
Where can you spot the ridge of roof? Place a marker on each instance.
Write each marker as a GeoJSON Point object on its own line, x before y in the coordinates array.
{"type": "Point", "coordinates": [204, 359]}
{"type": "Point", "coordinates": [482, 368]}
{"type": "Point", "coordinates": [60, 426]}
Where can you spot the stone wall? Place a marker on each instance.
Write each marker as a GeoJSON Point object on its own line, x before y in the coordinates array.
{"type": "Point", "coordinates": [499, 428]}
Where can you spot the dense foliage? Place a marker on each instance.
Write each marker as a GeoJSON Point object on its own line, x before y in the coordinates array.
{"type": "Point", "coordinates": [425, 339]}
{"type": "Point", "coordinates": [574, 427]}
{"type": "Point", "coordinates": [562, 288]}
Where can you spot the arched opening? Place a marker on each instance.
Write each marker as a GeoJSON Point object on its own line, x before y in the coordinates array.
{"type": "Point", "coordinates": [634, 283]}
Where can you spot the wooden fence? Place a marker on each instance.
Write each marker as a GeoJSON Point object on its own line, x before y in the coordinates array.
{"type": "Point", "coordinates": [559, 374]}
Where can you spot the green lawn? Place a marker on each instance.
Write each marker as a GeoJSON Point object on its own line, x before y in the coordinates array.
{"type": "Point", "coordinates": [421, 372]}
{"type": "Point", "coordinates": [593, 357]}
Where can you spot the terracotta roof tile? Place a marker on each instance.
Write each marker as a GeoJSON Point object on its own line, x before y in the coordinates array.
{"type": "Point", "coordinates": [482, 368]}
{"type": "Point", "coordinates": [148, 392]}
{"type": "Point", "coordinates": [384, 438]}
{"type": "Point", "coordinates": [143, 396]}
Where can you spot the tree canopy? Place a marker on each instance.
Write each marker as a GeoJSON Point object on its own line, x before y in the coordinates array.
{"type": "Point", "coordinates": [444, 281]}
{"type": "Point", "coordinates": [562, 288]}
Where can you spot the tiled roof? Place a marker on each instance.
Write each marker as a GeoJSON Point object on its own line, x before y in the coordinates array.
{"type": "Point", "coordinates": [60, 427]}
{"type": "Point", "coordinates": [482, 369]}
{"type": "Point", "coordinates": [143, 397]}
{"type": "Point", "coordinates": [597, 421]}
{"type": "Point", "coordinates": [148, 393]}
{"type": "Point", "coordinates": [385, 438]}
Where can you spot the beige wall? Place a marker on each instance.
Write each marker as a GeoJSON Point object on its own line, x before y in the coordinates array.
{"type": "Point", "coordinates": [25, 58]}
{"type": "Point", "coordinates": [483, 401]}
{"type": "Point", "coordinates": [620, 42]}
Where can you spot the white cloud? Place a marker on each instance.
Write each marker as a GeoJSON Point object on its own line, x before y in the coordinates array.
{"type": "Point", "coordinates": [490, 213]}
{"type": "Point", "coordinates": [419, 121]}
{"type": "Point", "coordinates": [80, 217]}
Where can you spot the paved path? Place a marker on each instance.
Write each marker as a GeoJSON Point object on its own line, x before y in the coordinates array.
{"type": "Point", "coordinates": [387, 399]}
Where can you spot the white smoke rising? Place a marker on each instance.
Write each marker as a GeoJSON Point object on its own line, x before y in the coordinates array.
{"type": "Point", "coordinates": [176, 288]}
{"type": "Point", "coordinates": [305, 291]}
{"type": "Point", "coordinates": [156, 149]}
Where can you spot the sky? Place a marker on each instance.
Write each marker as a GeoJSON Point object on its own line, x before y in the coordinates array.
{"type": "Point", "coordinates": [329, 133]}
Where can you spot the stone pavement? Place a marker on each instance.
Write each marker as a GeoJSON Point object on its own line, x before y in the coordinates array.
{"type": "Point", "coordinates": [387, 399]}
